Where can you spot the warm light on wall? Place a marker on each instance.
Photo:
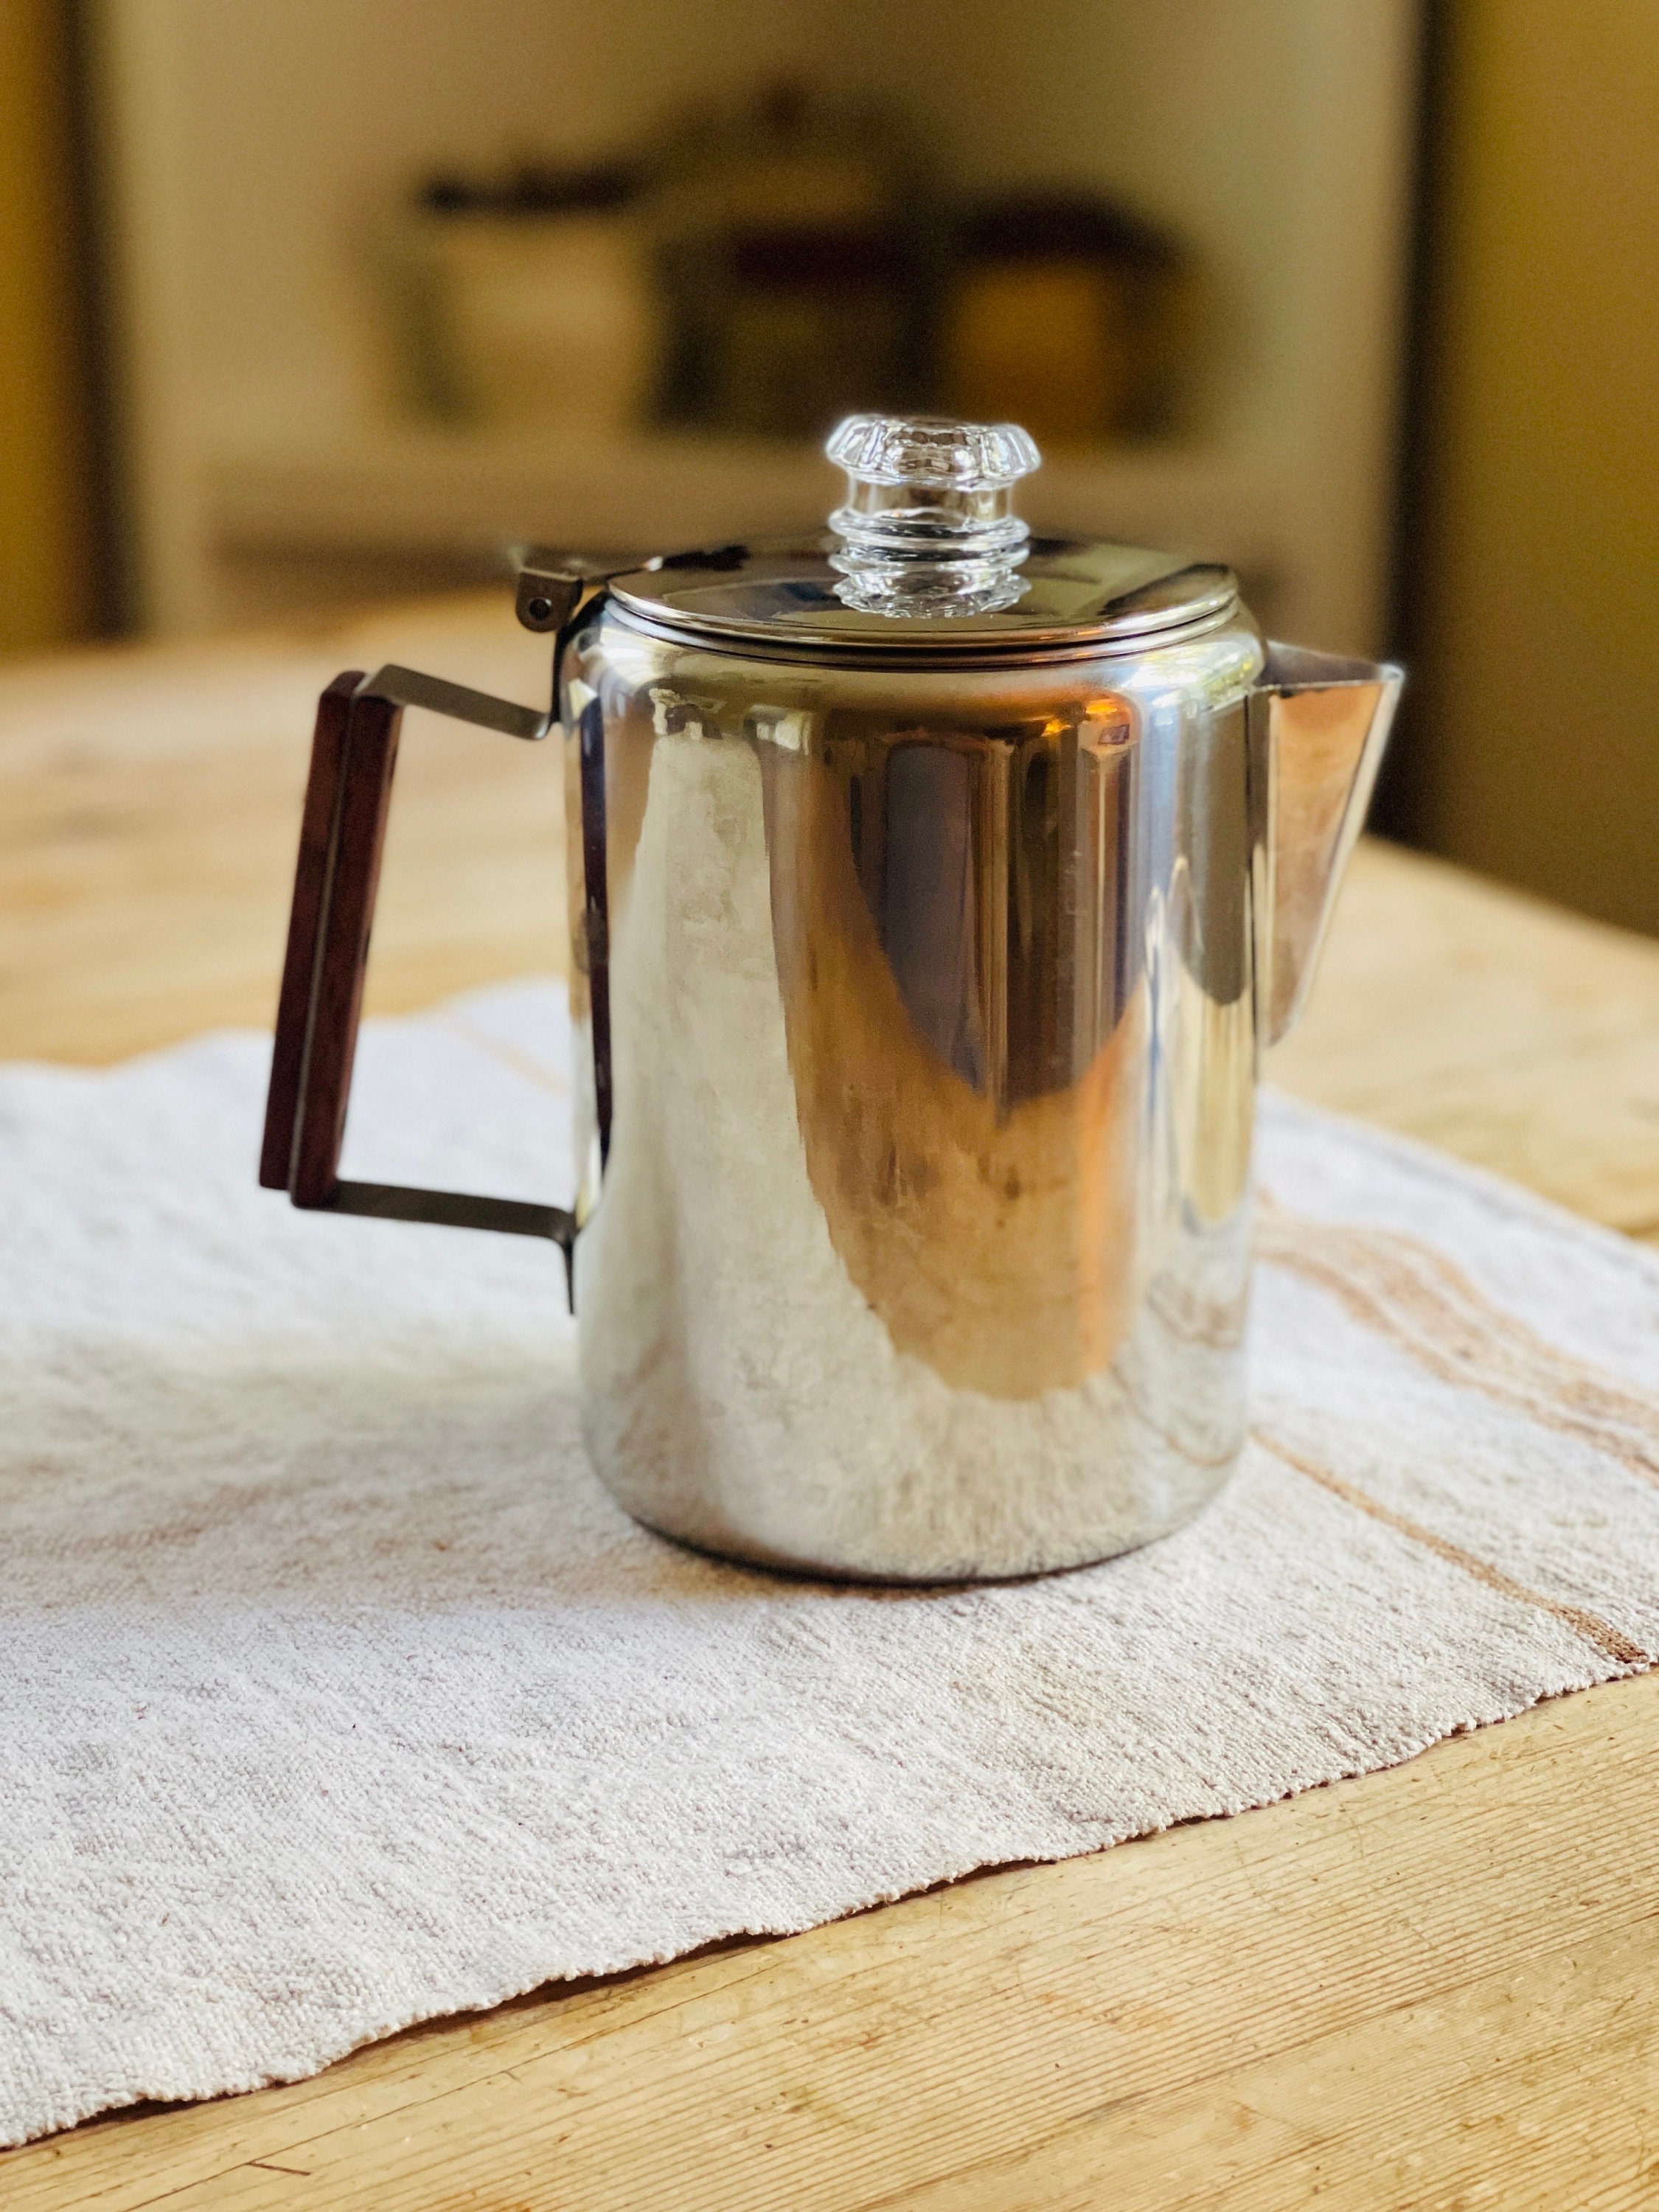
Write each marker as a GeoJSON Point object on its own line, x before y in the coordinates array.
{"type": "Point", "coordinates": [1533, 565]}
{"type": "Point", "coordinates": [47, 571]}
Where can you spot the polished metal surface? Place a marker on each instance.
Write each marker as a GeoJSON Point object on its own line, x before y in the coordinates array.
{"type": "Point", "coordinates": [553, 585]}
{"type": "Point", "coordinates": [925, 561]}
{"type": "Point", "coordinates": [923, 941]}
{"type": "Point", "coordinates": [1318, 728]}
{"type": "Point", "coordinates": [931, 889]}
{"type": "Point", "coordinates": [786, 598]}
{"type": "Point", "coordinates": [409, 687]}
{"type": "Point", "coordinates": [921, 1248]}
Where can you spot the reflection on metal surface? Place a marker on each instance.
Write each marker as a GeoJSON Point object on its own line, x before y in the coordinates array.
{"type": "Point", "coordinates": [1319, 726]}
{"type": "Point", "coordinates": [966, 1074]}
{"type": "Point", "coordinates": [923, 1244]}
{"type": "Point", "coordinates": [1211, 1099]}
{"type": "Point", "coordinates": [782, 598]}
{"type": "Point", "coordinates": [918, 968]}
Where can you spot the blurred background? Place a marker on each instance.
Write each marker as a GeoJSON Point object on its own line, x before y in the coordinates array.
{"type": "Point", "coordinates": [306, 306]}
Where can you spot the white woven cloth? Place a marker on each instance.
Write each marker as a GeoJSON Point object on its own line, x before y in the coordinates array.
{"type": "Point", "coordinates": [334, 1694]}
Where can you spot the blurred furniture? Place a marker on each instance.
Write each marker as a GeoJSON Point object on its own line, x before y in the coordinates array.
{"type": "Point", "coordinates": [250, 153]}
{"type": "Point", "coordinates": [539, 313]}
{"type": "Point", "coordinates": [1433, 1986]}
{"type": "Point", "coordinates": [1062, 314]}
{"type": "Point", "coordinates": [1532, 741]}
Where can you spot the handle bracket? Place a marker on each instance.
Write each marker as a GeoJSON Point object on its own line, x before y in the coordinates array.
{"type": "Point", "coordinates": [342, 834]}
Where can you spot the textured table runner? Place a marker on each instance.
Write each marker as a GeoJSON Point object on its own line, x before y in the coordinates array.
{"type": "Point", "coordinates": [334, 1694]}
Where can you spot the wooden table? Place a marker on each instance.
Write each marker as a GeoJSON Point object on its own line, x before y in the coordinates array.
{"type": "Point", "coordinates": [1434, 1987]}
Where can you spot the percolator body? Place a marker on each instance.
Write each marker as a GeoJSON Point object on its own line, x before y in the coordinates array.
{"type": "Point", "coordinates": [918, 1005]}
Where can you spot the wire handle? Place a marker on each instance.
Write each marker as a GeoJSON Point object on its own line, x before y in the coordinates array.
{"type": "Point", "coordinates": [342, 832]}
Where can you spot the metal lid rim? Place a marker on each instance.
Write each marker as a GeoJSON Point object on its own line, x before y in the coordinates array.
{"type": "Point", "coordinates": [1011, 650]}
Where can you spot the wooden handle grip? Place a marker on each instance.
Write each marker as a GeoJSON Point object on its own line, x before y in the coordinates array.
{"type": "Point", "coordinates": [311, 882]}
{"type": "Point", "coordinates": [342, 831]}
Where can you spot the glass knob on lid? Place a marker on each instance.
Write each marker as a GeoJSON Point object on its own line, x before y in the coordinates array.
{"type": "Point", "coordinates": [928, 528]}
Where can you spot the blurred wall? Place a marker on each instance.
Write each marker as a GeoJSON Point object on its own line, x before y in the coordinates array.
{"type": "Point", "coordinates": [252, 152]}
{"type": "Point", "coordinates": [49, 588]}
{"type": "Point", "coordinates": [1531, 556]}
{"type": "Point", "coordinates": [293, 126]}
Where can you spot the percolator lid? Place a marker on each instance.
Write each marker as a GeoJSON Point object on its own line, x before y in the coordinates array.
{"type": "Point", "coordinates": [927, 556]}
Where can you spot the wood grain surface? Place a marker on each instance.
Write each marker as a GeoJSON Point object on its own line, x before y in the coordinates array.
{"type": "Point", "coordinates": [149, 812]}
{"type": "Point", "coordinates": [1433, 1987]}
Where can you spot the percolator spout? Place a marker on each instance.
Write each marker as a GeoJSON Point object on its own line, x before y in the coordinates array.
{"type": "Point", "coordinates": [1318, 727]}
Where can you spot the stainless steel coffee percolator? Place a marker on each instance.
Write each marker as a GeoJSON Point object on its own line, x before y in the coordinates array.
{"type": "Point", "coordinates": [933, 887]}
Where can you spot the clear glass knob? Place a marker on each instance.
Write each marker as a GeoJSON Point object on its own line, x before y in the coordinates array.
{"type": "Point", "coordinates": [928, 528]}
